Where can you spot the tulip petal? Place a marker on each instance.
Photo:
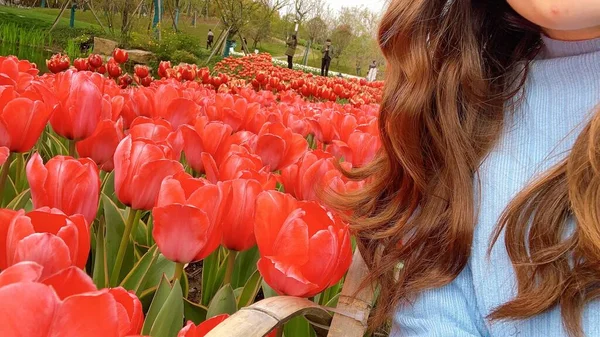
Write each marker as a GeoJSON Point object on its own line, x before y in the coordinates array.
{"type": "Point", "coordinates": [46, 249]}
{"type": "Point", "coordinates": [281, 283]}
{"type": "Point", "coordinates": [148, 179]}
{"type": "Point", "coordinates": [90, 315]}
{"type": "Point", "coordinates": [271, 149]}
{"type": "Point", "coordinates": [181, 111]}
{"type": "Point", "coordinates": [210, 167]}
{"type": "Point", "coordinates": [26, 122]}
{"type": "Point", "coordinates": [70, 281]}
{"type": "Point", "coordinates": [322, 258]}
{"type": "Point", "coordinates": [6, 217]}
{"type": "Point", "coordinates": [27, 309]}
{"type": "Point", "coordinates": [129, 307]}
{"type": "Point", "coordinates": [291, 244]}
{"type": "Point", "coordinates": [171, 192]}
{"type": "Point", "coordinates": [4, 153]}
{"type": "Point", "coordinates": [21, 272]}
{"type": "Point", "coordinates": [272, 209]}
{"type": "Point", "coordinates": [180, 231]}
{"type": "Point", "coordinates": [36, 176]}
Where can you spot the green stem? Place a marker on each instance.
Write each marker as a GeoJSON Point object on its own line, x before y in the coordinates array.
{"type": "Point", "coordinates": [178, 271]}
{"type": "Point", "coordinates": [4, 175]}
{"type": "Point", "coordinates": [132, 220]}
{"type": "Point", "coordinates": [72, 149]}
{"type": "Point", "coordinates": [19, 170]}
{"type": "Point", "coordinates": [230, 265]}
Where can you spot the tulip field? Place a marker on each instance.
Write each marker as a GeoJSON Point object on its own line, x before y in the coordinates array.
{"type": "Point", "coordinates": [157, 204]}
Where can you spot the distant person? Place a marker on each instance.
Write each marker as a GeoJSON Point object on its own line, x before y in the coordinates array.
{"type": "Point", "coordinates": [326, 60]}
{"type": "Point", "coordinates": [209, 40]}
{"type": "Point", "coordinates": [372, 75]}
{"type": "Point", "coordinates": [292, 42]}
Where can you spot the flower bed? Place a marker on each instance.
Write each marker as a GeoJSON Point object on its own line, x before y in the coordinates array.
{"type": "Point", "coordinates": [111, 187]}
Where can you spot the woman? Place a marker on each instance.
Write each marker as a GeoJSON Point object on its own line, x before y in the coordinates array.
{"type": "Point", "coordinates": [487, 190]}
{"type": "Point", "coordinates": [372, 75]}
{"type": "Point", "coordinates": [292, 42]}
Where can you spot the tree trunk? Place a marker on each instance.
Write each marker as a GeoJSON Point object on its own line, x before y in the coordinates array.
{"type": "Point", "coordinates": [124, 24]}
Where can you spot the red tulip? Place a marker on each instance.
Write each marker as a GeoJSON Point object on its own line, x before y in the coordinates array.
{"type": "Point", "coordinates": [209, 137]}
{"type": "Point", "coordinates": [324, 129]}
{"type": "Point", "coordinates": [66, 304]}
{"type": "Point", "coordinates": [95, 61]}
{"type": "Point", "coordinates": [81, 64]}
{"type": "Point", "coordinates": [238, 221]}
{"type": "Point", "coordinates": [71, 185]}
{"type": "Point", "coordinates": [114, 70]}
{"type": "Point", "coordinates": [158, 132]}
{"type": "Point", "coordinates": [82, 105]}
{"type": "Point", "coordinates": [235, 112]}
{"type": "Point", "coordinates": [191, 330]}
{"type": "Point", "coordinates": [101, 69]}
{"type": "Point", "coordinates": [125, 81]}
{"type": "Point", "coordinates": [21, 122]}
{"type": "Point", "coordinates": [146, 81]}
{"type": "Point", "coordinates": [187, 217]}
{"type": "Point", "coordinates": [58, 63]}
{"type": "Point", "coordinates": [129, 309]}
{"type": "Point", "coordinates": [120, 55]}
{"type": "Point", "coordinates": [236, 162]}
{"type": "Point", "coordinates": [140, 167]}
{"type": "Point", "coordinates": [142, 71]}
{"type": "Point", "coordinates": [279, 147]}
{"type": "Point", "coordinates": [304, 248]}
{"type": "Point", "coordinates": [4, 153]}
{"type": "Point", "coordinates": [47, 236]}
{"type": "Point", "coordinates": [200, 330]}
{"type": "Point", "coordinates": [163, 66]}
{"type": "Point", "coordinates": [101, 145]}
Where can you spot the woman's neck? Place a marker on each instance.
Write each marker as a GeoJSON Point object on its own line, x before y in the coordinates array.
{"type": "Point", "coordinates": [574, 35]}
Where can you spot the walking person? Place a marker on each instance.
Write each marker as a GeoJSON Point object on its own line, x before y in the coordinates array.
{"type": "Point", "coordinates": [372, 75]}
{"type": "Point", "coordinates": [291, 43]}
{"type": "Point", "coordinates": [210, 38]}
{"type": "Point", "coordinates": [326, 60]}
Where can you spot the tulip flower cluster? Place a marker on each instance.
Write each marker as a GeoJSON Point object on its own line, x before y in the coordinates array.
{"type": "Point", "coordinates": [109, 191]}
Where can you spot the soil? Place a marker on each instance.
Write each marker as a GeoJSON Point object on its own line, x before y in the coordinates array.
{"type": "Point", "coordinates": [194, 274]}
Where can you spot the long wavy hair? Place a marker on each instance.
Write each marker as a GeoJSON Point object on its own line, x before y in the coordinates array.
{"type": "Point", "coordinates": [454, 69]}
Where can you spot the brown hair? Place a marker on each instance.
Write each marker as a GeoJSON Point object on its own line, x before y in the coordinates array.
{"type": "Point", "coordinates": [452, 68]}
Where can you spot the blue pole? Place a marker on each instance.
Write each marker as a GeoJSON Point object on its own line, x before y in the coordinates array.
{"type": "Point", "coordinates": [43, 3]}
{"type": "Point", "coordinates": [156, 13]}
{"type": "Point", "coordinates": [176, 18]}
{"type": "Point", "coordinates": [72, 22]}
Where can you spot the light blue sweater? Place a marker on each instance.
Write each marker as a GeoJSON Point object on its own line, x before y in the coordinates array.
{"type": "Point", "coordinates": [561, 94]}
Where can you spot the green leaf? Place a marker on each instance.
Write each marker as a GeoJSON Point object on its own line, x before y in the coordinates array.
{"type": "Point", "coordinates": [58, 148]}
{"type": "Point", "coordinates": [115, 225]}
{"type": "Point", "coordinates": [194, 312]}
{"type": "Point", "coordinates": [160, 267]}
{"type": "Point", "coordinates": [222, 303]}
{"type": "Point", "coordinates": [333, 301]}
{"type": "Point", "coordinates": [141, 236]}
{"type": "Point", "coordinates": [149, 228]}
{"type": "Point", "coordinates": [170, 317]}
{"type": "Point", "coordinates": [267, 290]}
{"type": "Point", "coordinates": [250, 290]}
{"type": "Point", "coordinates": [10, 191]}
{"type": "Point", "coordinates": [160, 297]}
{"type": "Point", "coordinates": [138, 275]}
{"type": "Point", "coordinates": [108, 185]}
{"type": "Point", "coordinates": [298, 327]}
{"type": "Point", "coordinates": [100, 274]}
{"type": "Point", "coordinates": [20, 200]}
{"type": "Point", "coordinates": [213, 273]}
{"type": "Point", "coordinates": [245, 266]}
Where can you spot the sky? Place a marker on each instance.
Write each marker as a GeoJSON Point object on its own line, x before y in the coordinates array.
{"type": "Point", "coordinates": [375, 5]}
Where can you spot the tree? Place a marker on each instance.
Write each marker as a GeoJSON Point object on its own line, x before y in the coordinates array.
{"type": "Point", "coordinates": [234, 14]}
{"type": "Point", "coordinates": [316, 29]}
{"type": "Point", "coordinates": [340, 38]}
{"type": "Point", "coordinates": [302, 8]}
